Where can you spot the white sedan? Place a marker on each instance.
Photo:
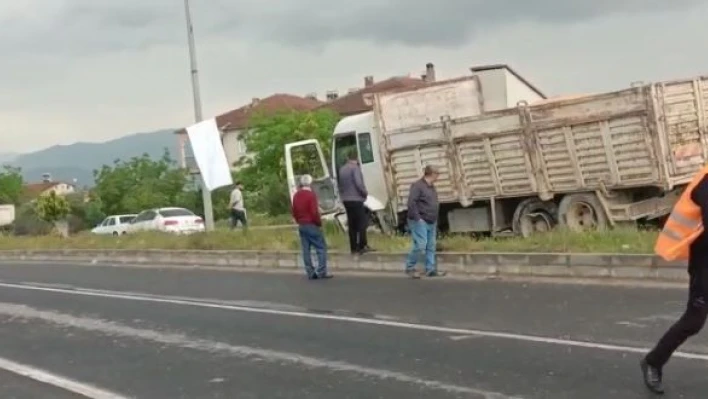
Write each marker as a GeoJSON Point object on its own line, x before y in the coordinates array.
{"type": "Point", "coordinates": [114, 224]}
{"type": "Point", "coordinates": [169, 220]}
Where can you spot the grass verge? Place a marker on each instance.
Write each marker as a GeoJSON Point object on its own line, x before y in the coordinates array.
{"type": "Point", "coordinates": [613, 241]}
{"type": "Point", "coordinates": [259, 219]}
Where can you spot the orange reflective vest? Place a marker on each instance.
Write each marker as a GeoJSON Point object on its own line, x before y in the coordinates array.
{"type": "Point", "coordinates": [683, 226]}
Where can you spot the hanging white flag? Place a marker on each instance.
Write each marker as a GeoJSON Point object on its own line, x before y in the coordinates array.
{"type": "Point", "coordinates": [205, 140]}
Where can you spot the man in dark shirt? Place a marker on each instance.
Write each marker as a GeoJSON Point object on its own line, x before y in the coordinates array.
{"type": "Point", "coordinates": [694, 317]}
{"type": "Point", "coordinates": [305, 211]}
{"type": "Point", "coordinates": [353, 193]}
{"type": "Point", "coordinates": [423, 211]}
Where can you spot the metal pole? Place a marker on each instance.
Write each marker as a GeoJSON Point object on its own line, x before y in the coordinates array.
{"type": "Point", "coordinates": [206, 194]}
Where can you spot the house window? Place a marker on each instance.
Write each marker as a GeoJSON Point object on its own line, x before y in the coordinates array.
{"type": "Point", "coordinates": [241, 143]}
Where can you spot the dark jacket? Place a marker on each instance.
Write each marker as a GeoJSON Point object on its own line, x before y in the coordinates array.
{"type": "Point", "coordinates": [423, 202]}
{"type": "Point", "coordinates": [351, 183]}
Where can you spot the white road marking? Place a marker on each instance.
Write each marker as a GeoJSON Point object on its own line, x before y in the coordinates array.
{"type": "Point", "coordinates": [66, 384]}
{"type": "Point", "coordinates": [462, 337]}
{"type": "Point", "coordinates": [660, 317]}
{"type": "Point", "coordinates": [358, 320]}
{"type": "Point", "coordinates": [630, 324]}
{"type": "Point", "coordinates": [239, 351]}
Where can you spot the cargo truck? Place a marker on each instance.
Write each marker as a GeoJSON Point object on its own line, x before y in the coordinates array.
{"type": "Point", "coordinates": [584, 162]}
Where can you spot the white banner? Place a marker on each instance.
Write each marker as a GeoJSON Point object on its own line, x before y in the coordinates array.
{"type": "Point", "coordinates": [205, 140]}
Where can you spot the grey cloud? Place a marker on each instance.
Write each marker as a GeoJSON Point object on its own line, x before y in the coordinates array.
{"type": "Point", "coordinates": [89, 27]}
{"type": "Point", "coordinates": [85, 27]}
{"type": "Point", "coordinates": [412, 22]}
{"type": "Point", "coordinates": [116, 16]}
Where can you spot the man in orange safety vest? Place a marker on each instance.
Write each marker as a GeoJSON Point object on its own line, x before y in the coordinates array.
{"type": "Point", "coordinates": [683, 238]}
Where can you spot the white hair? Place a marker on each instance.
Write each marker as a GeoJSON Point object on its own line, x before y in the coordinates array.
{"type": "Point", "coordinates": [305, 180]}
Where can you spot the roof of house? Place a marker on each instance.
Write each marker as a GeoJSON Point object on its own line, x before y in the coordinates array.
{"type": "Point", "coordinates": [481, 68]}
{"type": "Point", "coordinates": [353, 103]}
{"type": "Point", "coordinates": [33, 190]}
{"type": "Point", "coordinates": [238, 118]}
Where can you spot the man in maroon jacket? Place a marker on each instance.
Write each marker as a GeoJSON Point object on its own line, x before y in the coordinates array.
{"type": "Point", "coordinates": [305, 211]}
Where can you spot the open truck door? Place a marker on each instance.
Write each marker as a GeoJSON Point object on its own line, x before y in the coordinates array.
{"type": "Point", "coordinates": [306, 157]}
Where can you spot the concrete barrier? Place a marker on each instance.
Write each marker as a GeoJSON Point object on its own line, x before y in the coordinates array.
{"type": "Point", "coordinates": [618, 266]}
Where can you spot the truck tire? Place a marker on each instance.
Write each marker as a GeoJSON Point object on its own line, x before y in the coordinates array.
{"type": "Point", "coordinates": [582, 212]}
{"type": "Point", "coordinates": [533, 216]}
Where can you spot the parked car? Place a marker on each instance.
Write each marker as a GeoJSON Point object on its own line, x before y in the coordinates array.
{"type": "Point", "coordinates": [169, 220]}
{"type": "Point", "coordinates": [114, 224]}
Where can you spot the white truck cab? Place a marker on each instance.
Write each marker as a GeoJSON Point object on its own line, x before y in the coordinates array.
{"type": "Point", "coordinates": [354, 132]}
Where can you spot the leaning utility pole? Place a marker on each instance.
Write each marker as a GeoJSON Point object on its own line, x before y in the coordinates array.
{"type": "Point", "coordinates": [206, 194]}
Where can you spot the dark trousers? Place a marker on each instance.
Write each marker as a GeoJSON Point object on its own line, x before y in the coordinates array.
{"type": "Point", "coordinates": [311, 237]}
{"type": "Point", "coordinates": [238, 216]}
{"type": "Point", "coordinates": [357, 223]}
{"type": "Point", "coordinates": [692, 320]}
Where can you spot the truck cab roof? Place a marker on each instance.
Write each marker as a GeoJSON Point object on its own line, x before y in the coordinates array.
{"type": "Point", "coordinates": [355, 123]}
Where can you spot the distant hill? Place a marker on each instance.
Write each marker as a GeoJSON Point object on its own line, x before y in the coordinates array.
{"type": "Point", "coordinates": [78, 160]}
{"type": "Point", "coordinates": [7, 157]}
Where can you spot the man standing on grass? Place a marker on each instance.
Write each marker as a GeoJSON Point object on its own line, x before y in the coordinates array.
{"type": "Point", "coordinates": [353, 193]}
{"type": "Point", "coordinates": [236, 207]}
{"type": "Point", "coordinates": [423, 211]}
{"type": "Point", "coordinates": [306, 212]}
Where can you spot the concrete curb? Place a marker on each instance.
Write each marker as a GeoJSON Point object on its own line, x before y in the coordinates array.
{"type": "Point", "coordinates": [616, 266]}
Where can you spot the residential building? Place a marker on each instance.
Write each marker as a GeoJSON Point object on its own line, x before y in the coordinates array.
{"type": "Point", "coordinates": [358, 101]}
{"type": "Point", "coordinates": [234, 124]}
{"type": "Point", "coordinates": [501, 85]}
{"type": "Point", "coordinates": [36, 190]}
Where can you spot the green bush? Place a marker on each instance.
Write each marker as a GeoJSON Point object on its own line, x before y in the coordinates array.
{"type": "Point", "coordinates": [52, 207]}
{"type": "Point", "coordinates": [28, 223]}
{"type": "Point", "coordinates": [83, 215]}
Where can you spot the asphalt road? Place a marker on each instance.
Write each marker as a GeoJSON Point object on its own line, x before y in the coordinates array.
{"type": "Point", "coordinates": [155, 333]}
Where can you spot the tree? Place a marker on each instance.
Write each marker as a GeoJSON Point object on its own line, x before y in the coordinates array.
{"type": "Point", "coordinates": [83, 214]}
{"type": "Point", "coordinates": [11, 185]}
{"type": "Point", "coordinates": [263, 174]}
{"type": "Point", "coordinates": [139, 183]}
{"type": "Point", "coordinates": [54, 209]}
{"type": "Point", "coordinates": [219, 199]}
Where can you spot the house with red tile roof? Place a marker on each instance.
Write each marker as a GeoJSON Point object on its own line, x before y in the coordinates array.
{"type": "Point", "coordinates": [35, 190]}
{"type": "Point", "coordinates": [234, 123]}
{"type": "Point", "coordinates": [356, 101]}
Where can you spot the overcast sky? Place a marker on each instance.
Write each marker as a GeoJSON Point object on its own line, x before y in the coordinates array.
{"type": "Point", "coordinates": [93, 70]}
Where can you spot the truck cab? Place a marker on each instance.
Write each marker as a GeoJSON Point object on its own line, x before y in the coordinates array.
{"type": "Point", "coordinates": [357, 132]}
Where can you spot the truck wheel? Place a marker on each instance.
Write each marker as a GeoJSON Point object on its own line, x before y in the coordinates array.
{"type": "Point", "coordinates": [582, 212]}
{"type": "Point", "coordinates": [534, 216]}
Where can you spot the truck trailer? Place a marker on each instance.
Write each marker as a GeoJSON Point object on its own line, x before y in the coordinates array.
{"type": "Point", "coordinates": [515, 162]}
